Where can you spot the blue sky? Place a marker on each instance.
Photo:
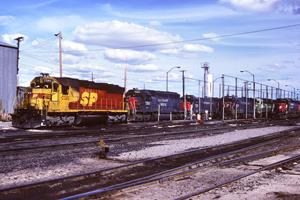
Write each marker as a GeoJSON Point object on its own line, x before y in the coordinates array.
{"type": "Point", "coordinates": [102, 37]}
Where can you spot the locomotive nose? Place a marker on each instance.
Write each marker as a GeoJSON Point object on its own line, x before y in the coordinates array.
{"type": "Point", "coordinates": [132, 103]}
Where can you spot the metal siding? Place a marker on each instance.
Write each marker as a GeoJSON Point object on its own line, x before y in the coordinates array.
{"type": "Point", "coordinates": [8, 78]}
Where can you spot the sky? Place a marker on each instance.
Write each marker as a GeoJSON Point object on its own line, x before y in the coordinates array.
{"type": "Point", "coordinates": [150, 37]}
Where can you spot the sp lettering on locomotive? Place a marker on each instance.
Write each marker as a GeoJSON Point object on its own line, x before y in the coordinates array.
{"type": "Point", "coordinates": [88, 98]}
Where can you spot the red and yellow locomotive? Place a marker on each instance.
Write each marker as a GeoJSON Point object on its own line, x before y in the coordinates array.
{"type": "Point", "coordinates": [52, 101]}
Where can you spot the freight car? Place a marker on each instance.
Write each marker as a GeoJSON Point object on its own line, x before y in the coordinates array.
{"type": "Point", "coordinates": [53, 101]}
{"type": "Point", "coordinates": [149, 105]}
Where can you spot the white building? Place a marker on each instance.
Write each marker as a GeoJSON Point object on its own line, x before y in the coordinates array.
{"type": "Point", "coordinates": [8, 77]}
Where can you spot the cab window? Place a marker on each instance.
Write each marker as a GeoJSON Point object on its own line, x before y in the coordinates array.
{"type": "Point", "coordinates": [55, 87]}
{"type": "Point", "coordinates": [65, 89]}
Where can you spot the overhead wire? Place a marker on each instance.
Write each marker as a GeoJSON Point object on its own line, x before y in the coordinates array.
{"type": "Point", "coordinates": [192, 40]}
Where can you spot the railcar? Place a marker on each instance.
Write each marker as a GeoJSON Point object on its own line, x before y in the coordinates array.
{"type": "Point", "coordinates": [230, 107]}
{"type": "Point", "coordinates": [286, 108]}
{"type": "Point", "coordinates": [267, 109]}
{"type": "Point", "coordinates": [53, 101]}
{"type": "Point", "coordinates": [280, 108]}
{"type": "Point", "coordinates": [208, 107]}
{"type": "Point", "coordinates": [149, 105]}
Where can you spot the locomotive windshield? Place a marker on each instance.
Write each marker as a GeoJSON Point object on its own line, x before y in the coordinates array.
{"type": "Point", "coordinates": [41, 83]}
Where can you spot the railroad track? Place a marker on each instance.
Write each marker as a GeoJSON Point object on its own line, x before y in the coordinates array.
{"type": "Point", "coordinates": [119, 130]}
{"type": "Point", "coordinates": [28, 135]}
{"type": "Point", "coordinates": [264, 168]}
{"type": "Point", "coordinates": [110, 180]}
{"type": "Point", "coordinates": [9, 149]}
{"type": "Point", "coordinates": [227, 158]}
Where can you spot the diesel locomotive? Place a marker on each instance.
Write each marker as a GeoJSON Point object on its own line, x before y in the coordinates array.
{"type": "Point", "coordinates": [53, 101]}
{"type": "Point", "coordinates": [150, 105]}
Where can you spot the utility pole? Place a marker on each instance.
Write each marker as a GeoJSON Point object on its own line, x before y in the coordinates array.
{"type": "Point", "coordinates": [253, 80]}
{"type": "Point", "coordinates": [183, 93]}
{"type": "Point", "coordinates": [167, 76]}
{"type": "Point", "coordinates": [19, 39]}
{"type": "Point", "coordinates": [205, 67]}
{"type": "Point", "coordinates": [199, 98]}
{"type": "Point", "coordinates": [92, 77]}
{"type": "Point", "coordinates": [125, 79]}
{"type": "Point", "coordinates": [59, 35]}
{"type": "Point", "coordinates": [246, 95]}
{"type": "Point", "coordinates": [223, 98]}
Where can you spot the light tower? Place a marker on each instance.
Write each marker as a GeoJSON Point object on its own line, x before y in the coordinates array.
{"type": "Point", "coordinates": [59, 36]}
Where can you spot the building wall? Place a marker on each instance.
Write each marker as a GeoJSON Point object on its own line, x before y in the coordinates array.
{"type": "Point", "coordinates": [8, 77]}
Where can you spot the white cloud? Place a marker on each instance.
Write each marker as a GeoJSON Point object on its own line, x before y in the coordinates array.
{"type": "Point", "coordinates": [193, 48]}
{"type": "Point", "coordinates": [73, 48]}
{"type": "Point", "coordinates": [10, 38]}
{"type": "Point", "coordinates": [154, 23]}
{"type": "Point", "coordinates": [6, 19]}
{"type": "Point", "coordinates": [61, 23]}
{"type": "Point", "coordinates": [39, 42]}
{"type": "Point", "coordinates": [290, 6]}
{"type": "Point", "coordinates": [170, 51]}
{"type": "Point", "coordinates": [252, 5]}
{"type": "Point", "coordinates": [183, 13]}
{"type": "Point", "coordinates": [37, 5]}
{"type": "Point", "coordinates": [285, 6]}
{"type": "Point", "coordinates": [188, 49]}
{"type": "Point", "coordinates": [35, 43]}
{"type": "Point", "coordinates": [143, 68]}
{"type": "Point", "coordinates": [212, 36]}
{"type": "Point", "coordinates": [129, 56]}
{"type": "Point", "coordinates": [70, 59]}
{"type": "Point", "coordinates": [172, 77]}
{"type": "Point", "coordinates": [139, 68]}
{"type": "Point", "coordinates": [117, 34]}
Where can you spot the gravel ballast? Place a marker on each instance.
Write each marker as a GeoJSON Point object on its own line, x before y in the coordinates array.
{"type": "Point", "coordinates": [169, 147]}
{"type": "Point", "coordinates": [77, 166]}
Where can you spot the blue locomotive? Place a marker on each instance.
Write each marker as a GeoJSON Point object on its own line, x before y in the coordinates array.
{"type": "Point", "coordinates": [149, 105]}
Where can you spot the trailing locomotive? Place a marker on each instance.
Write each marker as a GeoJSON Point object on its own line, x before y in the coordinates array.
{"type": "Point", "coordinates": [52, 101]}
{"type": "Point", "coordinates": [207, 107]}
{"type": "Point", "coordinates": [238, 107]}
{"type": "Point", "coordinates": [286, 108]}
{"type": "Point", "coordinates": [150, 105]}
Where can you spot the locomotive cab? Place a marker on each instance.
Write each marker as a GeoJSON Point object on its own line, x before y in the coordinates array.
{"type": "Point", "coordinates": [41, 92]}
{"type": "Point", "coordinates": [35, 102]}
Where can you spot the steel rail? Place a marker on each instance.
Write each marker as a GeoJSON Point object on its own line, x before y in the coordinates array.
{"type": "Point", "coordinates": [75, 132]}
{"type": "Point", "coordinates": [147, 162]}
{"type": "Point", "coordinates": [268, 167]}
{"type": "Point", "coordinates": [56, 147]}
{"type": "Point", "coordinates": [125, 138]}
{"type": "Point", "coordinates": [188, 168]}
{"type": "Point", "coordinates": [157, 176]}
